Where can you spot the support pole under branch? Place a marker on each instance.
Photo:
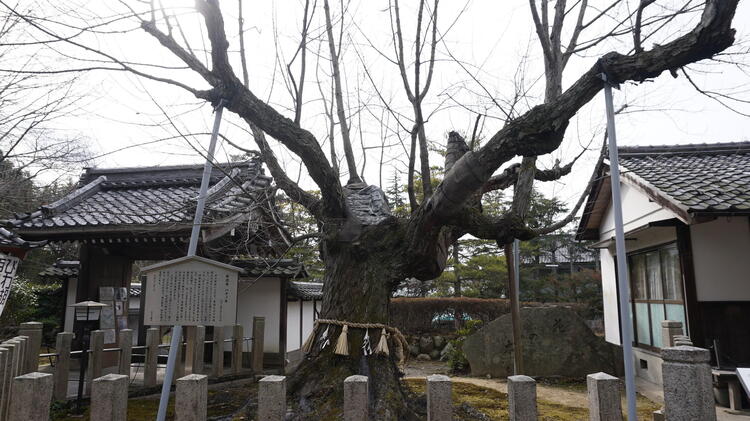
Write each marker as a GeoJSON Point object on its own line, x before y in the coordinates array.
{"type": "Point", "coordinates": [622, 262]}
{"type": "Point", "coordinates": [192, 248]}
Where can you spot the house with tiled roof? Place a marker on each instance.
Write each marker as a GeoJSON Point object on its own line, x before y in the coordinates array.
{"type": "Point", "coordinates": [686, 215]}
{"type": "Point", "coordinates": [118, 216]}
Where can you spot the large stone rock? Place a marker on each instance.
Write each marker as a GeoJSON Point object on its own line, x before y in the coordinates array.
{"type": "Point", "coordinates": [435, 354]}
{"type": "Point", "coordinates": [439, 342]}
{"type": "Point", "coordinates": [414, 350]}
{"type": "Point", "coordinates": [425, 344]}
{"type": "Point", "coordinates": [447, 350]}
{"type": "Point", "coordinates": [556, 342]}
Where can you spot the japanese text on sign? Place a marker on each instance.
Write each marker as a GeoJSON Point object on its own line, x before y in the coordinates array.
{"type": "Point", "coordinates": [8, 267]}
{"type": "Point", "coordinates": [191, 294]}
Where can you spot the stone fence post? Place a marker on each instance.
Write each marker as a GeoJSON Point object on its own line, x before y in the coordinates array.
{"type": "Point", "coordinates": [23, 342]}
{"type": "Point", "coordinates": [126, 351]}
{"type": "Point", "coordinates": [191, 398]}
{"type": "Point", "coordinates": [12, 349]}
{"type": "Point", "coordinates": [521, 398]}
{"type": "Point", "coordinates": [259, 328]}
{"type": "Point", "coordinates": [152, 355]}
{"type": "Point", "coordinates": [272, 398]}
{"type": "Point", "coordinates": [217, 353]}
{"type": "Point", "coordinates": [63, 345]}
{"type": "Point", "coordinates": [109, 398]}
{"type": "Point", "coordinates": [237, 334]}
{"type": "Point", "coordinates": [96, 359]}
{"type": "Point", "coordinates": [355, 398]}
{"type": "Point", "coordinates": [604, 397]}
{"type": "Point", "coordinates": [5, 358]}
{"type": "Point", "coordinates": [32, 330]}
{"type": "Point", "coordinates": [688, 387]}
{"type": "Point", "coordinates": [669, 329]}
{"type": "Point", "coordinates": [199, 339]}
{"type": "Point", "coordinates": [439, 402]}
{"type": "Point", "coordinates": [32, 396]}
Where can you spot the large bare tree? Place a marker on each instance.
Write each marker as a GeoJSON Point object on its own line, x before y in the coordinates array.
{"type": "Point", "coordinates": [367, 252]}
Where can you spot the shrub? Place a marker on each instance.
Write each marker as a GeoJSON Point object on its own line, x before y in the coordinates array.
{"type": "Point", "coordinates": [457, 361]}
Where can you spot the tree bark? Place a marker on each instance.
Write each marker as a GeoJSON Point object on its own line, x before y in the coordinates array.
{"type": "Point", "coordinates": [359, 280]}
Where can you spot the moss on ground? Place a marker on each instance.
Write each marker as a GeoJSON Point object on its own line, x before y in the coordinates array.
{"type": "Point", "coordinates": [232, 400]}
{"type": "Point", "coordinates": [222, 402]}
{"type": "Point", "coordinates": [494, 404]}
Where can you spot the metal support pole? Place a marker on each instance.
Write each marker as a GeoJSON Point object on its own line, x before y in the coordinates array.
{"type": "Point", "coordinates": [622, 262]}
{"type": "Point", "coordinates": [512, 252]}
{"type": "Point", "coordinates": [195, 233]}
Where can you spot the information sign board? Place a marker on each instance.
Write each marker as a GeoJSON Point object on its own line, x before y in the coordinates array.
{"type": "Point", "coordinates": [8, 267]}
{"type": "Point", "coordinates": [191, 291]}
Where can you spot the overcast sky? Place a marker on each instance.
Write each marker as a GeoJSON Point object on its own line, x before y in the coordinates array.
{"type": "Point", "coordinates": [490, 37]}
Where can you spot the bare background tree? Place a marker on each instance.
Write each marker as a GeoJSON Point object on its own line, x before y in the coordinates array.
{"type": "Point", "coordinates": [368, 251]}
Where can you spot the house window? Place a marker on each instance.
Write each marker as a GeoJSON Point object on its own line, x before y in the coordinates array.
{"type": "Point", "coordinates": [656, 292]}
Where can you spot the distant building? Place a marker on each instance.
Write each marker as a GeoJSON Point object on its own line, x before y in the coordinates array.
{"type": "Point", "coordinates": [686, 213]}
{"type": "Point", "coordinates": [121, 215]}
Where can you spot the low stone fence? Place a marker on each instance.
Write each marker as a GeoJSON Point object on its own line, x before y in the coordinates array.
{"type": "Point", "coordinates": [20, 355]}
{"type": "Point", "coordinates": [687, 393]}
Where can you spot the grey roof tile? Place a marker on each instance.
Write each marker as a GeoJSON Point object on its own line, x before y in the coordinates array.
{"type": "Point", "coordinates": [150, 196]}
{"type": "Point", "coordinates": [702, 177]}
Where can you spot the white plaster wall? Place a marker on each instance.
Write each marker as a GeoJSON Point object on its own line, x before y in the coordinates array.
{"type": "Point", "coordinates": [721, 258]}
{"type": "Point", "coordinates": [637, 211]}
{"type": "Point", "coordinates": [292, 327]}
{"type": "Point", "coordinates": [261, 298]}
{"type": "Point", "coordinates": [609, 297]}
{"type": "Point", "coordinates": [70, 299]}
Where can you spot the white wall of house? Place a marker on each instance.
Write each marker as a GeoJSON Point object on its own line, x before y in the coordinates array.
{"type": "Point", "coordinates": [637, 211]}
{"type": "Point", "coordinates": [70, 299]}
{"type": "Point", "coordinates": [293, 324]}
{"type": "Point", "coordinates": [722, 243]}
{"type": "Point", "coordinates": [260, 298]}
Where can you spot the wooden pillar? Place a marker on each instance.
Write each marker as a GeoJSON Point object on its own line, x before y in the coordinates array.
{"type": "Point", "coordinates": [199, 339]}
{"type": "Point", "coordinates": [217, 360]}
{"type": "Point", "coordinates": [62, 369]}
{"type": "Point", "coordinates": [126, 353]}
{"type": "Point", "coordinates": [237, 338]}
{"type": "Point", "coordinates": [259, 328]}
{"type": "Point", "coordinates": [152, 354]}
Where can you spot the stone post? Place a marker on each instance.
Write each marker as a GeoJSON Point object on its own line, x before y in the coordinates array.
{"type": "Point", "coordinates": [199, 339]}
{"type": "Point", "coordinates": [439, 401]}
{"type": "Point", "coordinates": [688, 386]}
{"type": "Point", "coordinates": [62, 369]}
{"type": "Point", "coordinates": [109, 398]}
{"type": "Point", "coordinates": [355, 398]}
{"type": "Point", "coordinates": [96, 358]}
{"type": "Point", "coordinates": [10, 366]}
{"type": "Point", "coordinates": [191, 398]}
{"type": "Point", "coordinates": [521, 398]}
{"type": "Point", "coordinates": [604, 397]}
{"type": "Point", "coordinates": [126, 351]}
{"type": "Point", "coordinates": [5, 357]}
{"type": "Point", "coordinates": [669, 329]}
{"type": "Point", "coordinates": [259, 328]}
{"type": "Point", "coordinates": [23, 342]}
{"type": "Point", "coordinates": [217, 355]}
{"type": "Point", "coordinates": [179, 363]}
{"type": "Point", "coordinates": [32, 396]}
{"type": "Point", "coordinates": [152, 354]}
{"type": "Point", "coordinates": [237, 335]}
{"type": "Point", "coordinates": [272, 398]}
{"type": "Point", "coordinates": [32, 330]}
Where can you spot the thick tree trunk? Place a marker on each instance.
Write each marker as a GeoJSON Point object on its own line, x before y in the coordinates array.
{"type": "Point", "coordinates": [360, 277]}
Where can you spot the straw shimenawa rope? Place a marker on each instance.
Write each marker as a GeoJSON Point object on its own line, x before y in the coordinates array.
{"type": "Point", "coordinates": [342, 345]}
